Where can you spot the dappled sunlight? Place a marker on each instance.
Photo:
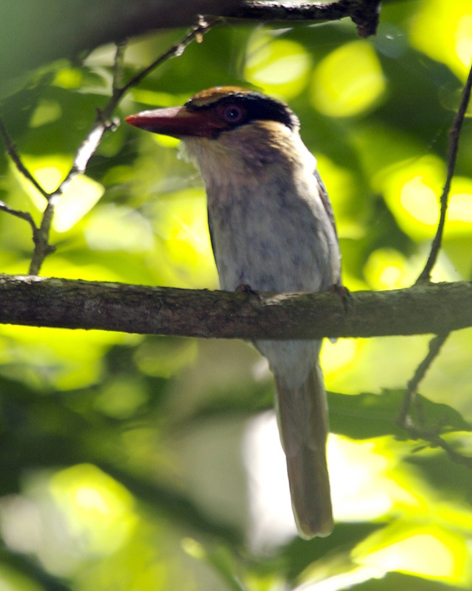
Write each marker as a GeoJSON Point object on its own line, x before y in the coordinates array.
{"type": "Point", "coordinates": [362, 487]}
{"type": "Point", "coordinates": [348, 81]}
{"type": "Point", "coordinates": [180, 222]}
{"type": "Point", "coordinates": [338, 356]}
{"type": "Point", "coordinates": [450, 25]}
{"type": "Point", "coordinates": [412, 190]}
{"type": "Point", "coordinates": [121, 398]}
{"type": "Point", "coordinates": [327, 581]}
{"type": "Point", "coordinates": [165, 356]}
{"type": "Point", "coordinates": [80, 194]}
{"type": "Point", "coordinates": [154, 463]}
{"type": "Point", "coordinates": [46, 112]}
{"type": "Point", "coordinates": [427, 550]}
{"type": "Point", "coordinates": [68, 78]}
{"type": "Point", "coordinates": [387, 268]}
{"type": "Point", "coordinates": [272, 521]}
{"type": "Point", "coordinates": [420, 201]}
{"type": "Point", "coordinates": [49, 171]}
{"type": "Point", "coordinates": [12, 580]}
{"type": "Point", "coordinates": [455, 359]}
{"type": "Point", "coordinates": [362, 371]}
{"type": "Point", "coordinates": [361, 481]}
{"type": "Point", "coordinates": [98, 510]}
{"type": "Point", "coordinates": [113, 227]}
{"type": "Point", "coordinates": [276, 66]}
{"type": "Point", "coordinates": [341, 183]}
{"type": "Point", "coordinates": [63, 359]}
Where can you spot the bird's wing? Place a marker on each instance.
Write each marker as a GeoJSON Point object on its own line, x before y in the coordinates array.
{"type": "Point", "coordinates": [210, 230]}
{"type": "Point", "coordinates": [326, 202]}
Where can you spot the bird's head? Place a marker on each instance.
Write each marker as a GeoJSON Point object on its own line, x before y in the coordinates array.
{"type": "Point", "coordinates": [229, 132]}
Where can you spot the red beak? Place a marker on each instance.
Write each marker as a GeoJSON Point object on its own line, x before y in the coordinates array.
{"type": "Point", "coordinates": [177, 122]}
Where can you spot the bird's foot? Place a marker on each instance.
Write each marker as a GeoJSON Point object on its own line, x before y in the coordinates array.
{"type": "Point", "coordinates": [247, 289]}
{"type": "Point", "coordinates": [343, 293]}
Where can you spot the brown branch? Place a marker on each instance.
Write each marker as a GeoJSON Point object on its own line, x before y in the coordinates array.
{"type": "Point", "coordinates": [102, 122]}
{"type": "Point", "coordinates": [454, 136]}
{"type": "Point", "coordinates": [42, 247]}
{"type": "Point", "coordinates": [364, 13]}
{"type": "Point", "coordinates": [24, 215]}
{"type": "Point", "coordinates": [404, 418]}
{"type": "Point", "coordinates": [35, 301]}
{"type": "Point", "coordinates": [83, 25]}
{"type": "Point", "coordinates": [14, 155]}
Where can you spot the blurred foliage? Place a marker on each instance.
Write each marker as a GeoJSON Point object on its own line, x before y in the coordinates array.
{"type": "Point", "coordinates": [134, 463]}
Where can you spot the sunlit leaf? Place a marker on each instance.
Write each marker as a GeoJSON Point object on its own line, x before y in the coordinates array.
{"type": "Point", "coordinates": [348, 81]}
{"type": "Point", "coordinates": [373, 415]}
{"type": "Point", "coordinates": [98, 509]}
{"type": "Point", "coordinates": [450, 24]}
{"type": "Point", "coordinates": [412, 190]}
{"type": "Point", "coordinates": [81, 195]}
{"type": "Point", "coordinates": [278, 66]}
{"type": "Point", "coordinates": [424, 549]}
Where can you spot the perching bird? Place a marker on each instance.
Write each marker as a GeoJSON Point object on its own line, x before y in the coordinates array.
{"type": "Point", "coordinates": [272, 229]}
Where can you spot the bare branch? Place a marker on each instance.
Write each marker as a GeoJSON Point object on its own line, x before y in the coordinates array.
{"type": "Point", "coordinates": [85, 25]}
{"type": "Point", "coordinates": [454, 135]}
{"type": "Point", "coordinates": [202, 27]}
{"type": "Point", "coordinates": [103, 123]}
{"type": "Point", "coordinates": [35, 301]}
{"type": "Point", "coordinates": [417, 429]}
{"type": "Point", "coordinates": [13, 153]}
{"type": "Point", "coordinates": [118, 67]}
{"type": "Point", "coordinates": [24, 215]}
{"type": "Point", "coordinates": [42, 248]}
{"type": "Point", "coordinates": [404, 417]}
{"type": "Point", "coordinates": [364, 13]}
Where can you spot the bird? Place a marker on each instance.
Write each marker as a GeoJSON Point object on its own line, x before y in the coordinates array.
{"type": "Point", "coordinates": [272, 228]}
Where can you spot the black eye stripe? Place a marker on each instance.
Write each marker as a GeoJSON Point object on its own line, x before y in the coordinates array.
{"type": "Point", "coordinates": [256, 106]}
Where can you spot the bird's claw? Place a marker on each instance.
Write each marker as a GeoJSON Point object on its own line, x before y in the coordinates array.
{"type": "Point", "coordinates": [343, 292]}
{"type": "Point", "coordinates": [247, 289]}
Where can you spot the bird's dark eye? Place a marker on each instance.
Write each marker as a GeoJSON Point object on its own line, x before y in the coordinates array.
{"type": "Point", "coordinates": [233, 113]}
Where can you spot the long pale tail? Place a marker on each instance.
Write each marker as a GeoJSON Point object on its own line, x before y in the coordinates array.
{"type": "Point", "coordinates": [303, 424]}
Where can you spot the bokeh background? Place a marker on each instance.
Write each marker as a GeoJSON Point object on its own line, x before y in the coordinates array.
{"type": "Point", "coordinates": [148, 463]}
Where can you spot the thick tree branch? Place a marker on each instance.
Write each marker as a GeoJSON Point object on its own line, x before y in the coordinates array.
{"type": "Point", "coordinates": [364, 13]}
{"type": "Point", "coordinates": [35, 301]}
{"type": "Point", "coordinates": [58, 29]}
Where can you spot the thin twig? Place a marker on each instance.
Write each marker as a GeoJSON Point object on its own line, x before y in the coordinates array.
{"type": "Point", "coordinates": [13, 153]}
{"type": "Point", "coordinates": [202, 27]}
{"type": "Point", "coordinates": [454, 136]}
{"type": "Point", "coordinates": [24, 215]}
{"type": "Point", "coordinates": [102, 123]}
{"type": "Point", "coordinates": [42, 247]}
{"type": "Point", "coordinates": [118, 66]}
{"type": "Point", "coordinates": [436, 441]}
{"type": "Point", "coordinates": [405, 420]}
